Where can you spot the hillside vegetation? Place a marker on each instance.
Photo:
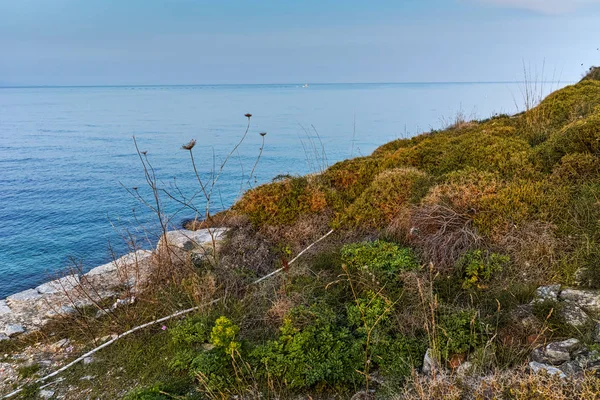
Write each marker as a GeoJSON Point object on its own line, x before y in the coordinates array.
{"type": "Point", "coordinates": [439, 244]}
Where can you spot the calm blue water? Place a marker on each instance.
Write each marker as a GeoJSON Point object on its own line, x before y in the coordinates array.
{"type": "Point", "coordinates": [65, 152]}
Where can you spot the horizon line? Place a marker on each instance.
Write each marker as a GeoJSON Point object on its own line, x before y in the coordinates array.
{"type": "Point", "coordinates": [269, 84]}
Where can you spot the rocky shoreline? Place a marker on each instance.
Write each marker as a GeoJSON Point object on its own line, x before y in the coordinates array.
{"type": "Point", "coordinates": [31, 309]}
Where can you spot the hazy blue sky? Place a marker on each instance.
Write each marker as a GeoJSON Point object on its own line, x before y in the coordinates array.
{"type": "Point", "coordinates": [87, 42]}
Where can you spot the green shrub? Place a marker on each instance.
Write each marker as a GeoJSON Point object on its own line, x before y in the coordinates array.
{"type": "Point", "coordinates": [223, 335]}
{"type": "Point", "coordinates": [458, 332]}
{"type": "Point", "coordinates": [193, 330]}
{"type": "Point", "coordinates": [214, 370]}
{"type": "Point", "coordinates": [207, 353]}
{"type": "Point", "coordinates": [369, 312]}
{"type": "Point", "coordinates": [570, 103]}
{"type": "Point", "coordinates": [479, 147]}
{"type": "Point", "coordinates": [396, 357]}
{"type": "Point", "coordinates": [593, 74]}
{"type": "Point", "coordinates": [389, 194]}
{"type": "Point", "coordinates": [313, 350]}
{"type": "Point", "coordinates": [161, 391]}
{"type": "Point", "coordinates": [477, 267]}
{"type": "Point", "coordinates": [379, 256]}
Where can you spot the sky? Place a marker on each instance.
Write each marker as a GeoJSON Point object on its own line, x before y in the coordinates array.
{"type": "Point", "coordinates": [147, 42]}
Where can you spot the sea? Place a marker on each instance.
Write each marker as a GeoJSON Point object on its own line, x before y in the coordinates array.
{"type": "Point", "coordinates": [76, 192]}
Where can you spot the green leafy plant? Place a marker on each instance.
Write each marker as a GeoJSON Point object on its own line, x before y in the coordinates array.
{"type": "Point", "coordinates": [313, 349]}
{"type": "Point", "coordinates": [379, 256]}
{"type": "Point", "coordinates": [458, 332]}
{"type": "Point", "coordinates": [477, 267]}
{"type": "Point", "coordinates": [223, 335]}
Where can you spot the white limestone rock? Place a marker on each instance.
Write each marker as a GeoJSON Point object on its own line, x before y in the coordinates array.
{"type": "Point", "coordinates": [537, 367]}
{"type": "Point", "coordinates": [574, 315]}
{"type": "Point", "coordinates": [46, 394]}
{"type": "Point", "coordinates": [25, 296]}
{"type": "Point", "coordinates": [547, 293]}
{"type": "Point", "coordinates": [187, 240]}
{"type": "Point", "coordinates": [588, 300]}
{"type": "Point", "coordinates": [125, 261]}
{"type": "Point", "coordinates": [60, 311]}
{"type": "Point", "coordinates": [13, 329]}
{"type": "Point", "coordinates": [61, 285]}
{"type": "Point", "coordinates": [558, 352]}
{"type": "Point", "coordinates": [597, 333]}
{"type": "Point", "coordinates": [4, 308]}
{"type": "Point", "coordinates": [430, 363]}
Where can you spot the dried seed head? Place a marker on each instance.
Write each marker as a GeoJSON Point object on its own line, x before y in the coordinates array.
{"type": "Point", "coordinates": [190, 145]}
{"type": "Point", "coordinates": [248, 115]}
{"type": "Point", "coordinates": [144, 152]}
{"type": "Point", "coordinates": [263, 133]}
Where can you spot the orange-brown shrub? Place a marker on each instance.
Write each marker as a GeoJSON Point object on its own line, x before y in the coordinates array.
{"type": "Point", "coordinates": [282, 203]}
{"type": "Point", "coordinates": [346, 180]}
{"type": "Point", "coordinates": [391, 192]}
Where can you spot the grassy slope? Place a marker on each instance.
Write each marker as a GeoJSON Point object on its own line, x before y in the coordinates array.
{"type": "Point", "coordinates": [471, 220]}
{"type": "Point", "coordinates": [506, 178]}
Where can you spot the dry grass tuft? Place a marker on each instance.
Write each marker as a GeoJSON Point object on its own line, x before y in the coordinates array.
{"type": "Point", "coordinates": [442, 233]}
{"type": "Point", "coordinates": [517, 384]}
{"type": "Point", "coordinates": [534, 249]}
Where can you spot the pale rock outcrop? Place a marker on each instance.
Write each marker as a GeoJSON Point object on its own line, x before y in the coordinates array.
{"type": "Point", "coordinates": [61, 285]}
{"type": "Point", "coordinates": [32, 308]}
{"type": "Point", "coordinates": [537, 367]}
{"type": "Point", "coordinates": [430, 363]}
{"type": "Point", "coordinates": [588, 300]}
{"type": "Point", "coordinates": [547, 293]}
{"type": "Point", "coordinates": [555, 353]}
{"type": "Point", "coordinates": [25, 295]}
{"type": "Point", "coordinates": [13, 329]}
{"type": "Point", "coordinates": [184, 239]}
{"type": "Point", "coordinates": [573, 314]}
{"type": "Point", "coordinates": [4, 309]}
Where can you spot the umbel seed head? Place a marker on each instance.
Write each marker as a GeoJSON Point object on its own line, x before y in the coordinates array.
{"type": "Point", "coordinates": [190, 145]}
{"type": "Point", "coordinates": [248, 115]}
{"type": "Point", "coordinates": [263, 133]}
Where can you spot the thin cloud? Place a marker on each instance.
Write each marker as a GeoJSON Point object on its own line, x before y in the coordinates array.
{"type": "Point", "coordinates": [545, 6]}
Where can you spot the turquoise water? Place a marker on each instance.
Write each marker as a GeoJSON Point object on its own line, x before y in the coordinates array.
{"type": "Point", "coordinates": [67, 153]}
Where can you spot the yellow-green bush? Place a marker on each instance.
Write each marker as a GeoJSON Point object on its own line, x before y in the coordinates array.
{"type": "Point", "coordinates": [592, 75]}
{"type": "Point", "coordinates": [482, 148]}
{"type": "Point", "coordinates": [391, 147]}
{"type": "Point", "coordinates": [582, 136]}
{"type": "Point", "coordinates": [346, 180]}
{"type": "Point", "coordinates": [389, 194]}
{"type": "Point", "coordinates": [576, 168]}
{"type": "Point", "coordinates": [568, 104]}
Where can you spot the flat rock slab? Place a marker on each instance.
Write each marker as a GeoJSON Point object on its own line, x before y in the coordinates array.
{"type": "Point", "coordinates": [547, 293]}
{"type": "Point", "coordinates": [126, 260]}
{"type": "Point", "coordinates": [188, 240]}
{"type": "Point", "coordinates": [25, 295]}
{"type": "Point", "coordinates": [4, 308]}
{"type": "Point", "coordinates": [537, 367]}
{"type": "Point", "coordinates": [574, 315]}
{"type": "Point", "coordinates": [61, 285]}
{"type": "Point", "coordinates": [588, 300]}
{"type": "Point", "coordinates": [13, 329]}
